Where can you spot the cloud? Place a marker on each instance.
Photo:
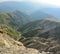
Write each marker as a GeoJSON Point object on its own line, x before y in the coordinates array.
{"type": "Point", "coordinates": [51, 2]}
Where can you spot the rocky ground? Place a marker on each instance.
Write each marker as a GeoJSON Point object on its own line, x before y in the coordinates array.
{"type": "Point", "coordinates": [48, 46]}
{"type": "Point", "coordinates": [10, 46]}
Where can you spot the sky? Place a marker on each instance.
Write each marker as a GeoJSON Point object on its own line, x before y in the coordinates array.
{"type": "Point", "coordinates": [51, 2]}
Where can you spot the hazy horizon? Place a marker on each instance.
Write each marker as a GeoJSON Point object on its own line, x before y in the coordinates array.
{"type": "Point", "coordinates": [51, 7]}
{"type": "Point", "coordinates": [46, 2]}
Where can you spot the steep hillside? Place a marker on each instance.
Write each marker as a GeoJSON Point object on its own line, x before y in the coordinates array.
{"type": "Point", "coordinates": [14, 19]}
{"type": "Point", "coordinates": [40, 27]}
{"type": "Point", "coordinates": [43, 35]}
{"type": "Point", "coordinates": [39, 24]}
{"type": "Point", "coordinates": [10, 31]}
{"type": "Point", "coordinates": [10, 46]}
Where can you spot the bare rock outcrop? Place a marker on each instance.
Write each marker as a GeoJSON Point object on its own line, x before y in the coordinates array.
{"type": "Point", "coordinates": [10, 46]}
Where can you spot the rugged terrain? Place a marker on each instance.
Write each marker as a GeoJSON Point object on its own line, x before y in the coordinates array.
{"type": "Point", "coordinates": [10, 46]}
{"type": "Point", "coordinates": [36, 37]}
{"type": "Point", "coordinates": [43, 35]}
{"type": "Point", "coordinates": [20, 34]}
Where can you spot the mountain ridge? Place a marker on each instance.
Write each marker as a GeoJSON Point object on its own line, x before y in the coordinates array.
{"type": "Point", "coordinates": [13, 18]}
{"type": "Point", "coordinates": [42, 35]}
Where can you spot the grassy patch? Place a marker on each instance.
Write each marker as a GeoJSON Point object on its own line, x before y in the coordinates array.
{"type": "Point", "coordinates": [13, 33]}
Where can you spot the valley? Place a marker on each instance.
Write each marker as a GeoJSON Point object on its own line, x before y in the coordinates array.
{"type": "Point", "coordinates": [26, 29]}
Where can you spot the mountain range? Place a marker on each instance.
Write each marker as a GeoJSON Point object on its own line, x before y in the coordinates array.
{"type": "Point", "coordinates": [29, 28]}
{"type": "Point", "coordinates": [43, 35]}
{"type": "Point", "coordinates": [14, 19]}
{"type": "Point", "coordinates": [32, 7]}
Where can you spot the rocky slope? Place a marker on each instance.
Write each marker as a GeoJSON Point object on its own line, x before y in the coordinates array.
{"type": "Point", "coordinates": [43, 35]}
{"type": "Point", "coordinates": [10, 46]}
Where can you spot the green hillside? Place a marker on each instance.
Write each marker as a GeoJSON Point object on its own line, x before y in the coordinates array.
{"type": "Point", "coordinates": [41, 28]}
{"type": "Point", "coordinates": [14, 19]}
{"type": "Point", "coordinates": [32, 28]}
{"type": "Point", "coordinates": [43, 35]}
{"type": "Point", "coordinates": [10, 31]}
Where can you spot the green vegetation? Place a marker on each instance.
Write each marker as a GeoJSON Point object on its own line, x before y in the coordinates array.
{"type": "Point", "coordinates": [13, 33]}
{"type": "Point", "coordinates": [10, 31]}
{"type": "Point", "coordinates": [30, 33]}
{"type": "Point", "coordinates": [44, 35]}
{"type": "Point", "coordinates": [14, 19]}
{"type": "Point", "coordinates": [35, 28]}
